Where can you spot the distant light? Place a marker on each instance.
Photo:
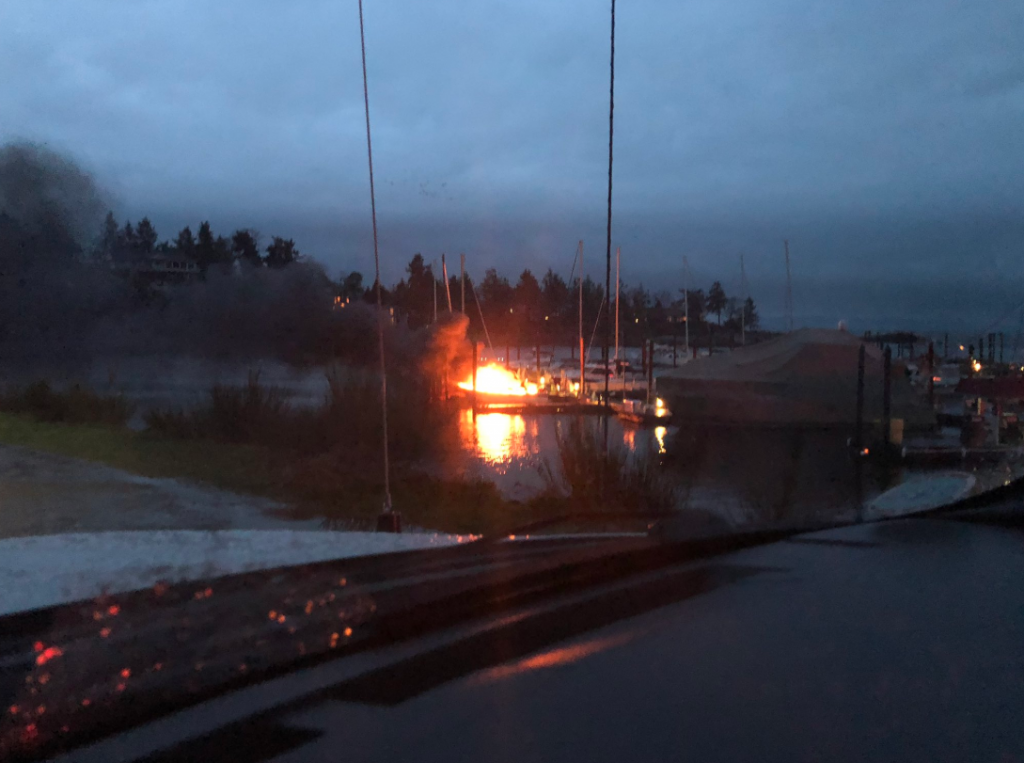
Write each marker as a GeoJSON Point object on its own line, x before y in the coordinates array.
{"type": "Point", "coordinates": [961, 348]}
{"type": "Point", "coordinates": [977, 366]}
{"type": "Point", "coordinates": [936, 378]}
{"type": "Point", "coordinates": [545, 317]}
{"type": "Point", "coordinates": [636, 320]}
{"type": "Point", "coordinates": [865, 451]}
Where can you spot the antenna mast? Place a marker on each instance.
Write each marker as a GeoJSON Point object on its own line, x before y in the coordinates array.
{"type": "Point", "coordinates": [389, 520]}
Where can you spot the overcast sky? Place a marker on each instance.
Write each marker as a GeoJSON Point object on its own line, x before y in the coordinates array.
{"type": "Point", "coordinates": [885, 140]}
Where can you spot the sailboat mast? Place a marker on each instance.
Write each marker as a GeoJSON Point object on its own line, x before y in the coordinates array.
{"type": "Point", "coordinates": [789, 289]}
{"type": "Point", "coordinates": [686, 304]}
{"type": "Point", "coordinates": [462, 280]}
{"type": "Point", "coordinates": [743, 304]}
{"type": "Point", "coordinates": [618, 257]}
{"type": "Point", "coordinates": [447, 288]}
{"type": "Point", "coordinates": [581, 320]}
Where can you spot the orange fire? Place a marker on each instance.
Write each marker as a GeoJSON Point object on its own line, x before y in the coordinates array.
{"type": "Point", "coordinates": [494, 379]}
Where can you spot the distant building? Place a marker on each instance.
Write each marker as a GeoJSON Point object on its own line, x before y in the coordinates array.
{"type": "Point", "coordinates": [160, 268]}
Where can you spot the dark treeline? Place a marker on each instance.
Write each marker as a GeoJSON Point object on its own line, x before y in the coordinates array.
{"type": "Point", "coordinates": [128, 245]}
{"type": "Point", "coordinates": [77, 283]}
{"type": "Point", "coordinates": [547, 310]}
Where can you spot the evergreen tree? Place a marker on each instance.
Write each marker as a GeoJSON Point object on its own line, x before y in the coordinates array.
{"type": "Point", "coordinates": [145, 237]}
{"type": "Point", "coordinates": [106, 245]}
{"type": "Point", "coordinates": [717, 300]}
{"type": "Point", "coordinates": [281, 253]}
{"type": "Point", "coordinates": [205, 253]}
{"type": "Point", "coordinates": [750, 316]}
{"type": "Point", "coordinates": [245, 245]}
{"type": "Point", "coordinates": [185, 243]}
{"type": "Point", "coordinates": [222, 256]}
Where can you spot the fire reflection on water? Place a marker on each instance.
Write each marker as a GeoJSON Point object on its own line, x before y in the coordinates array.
{"type": "Point", "coordinates": [499, 438]}
{"type": "Point", "coordinates": [629, 439]}
{"type": "Point", "coordinates": [659, 436]}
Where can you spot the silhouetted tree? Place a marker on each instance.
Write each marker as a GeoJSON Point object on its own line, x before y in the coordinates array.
{"type": "Point", "coordinates": [205, 253]}
{"type": "Point", "coordinates": [185, 243]}
{"type": "Point", "coordinates": [245, 245]}
{"type": "Point", "coordinates": [127, 243]}
{"type": "Point", "coordinates": [717, 300]}
{"type": "Point", "coordinates": [145, 237]}
{"type": "Point", "coordinates": [496, 292]}
{"type": "Point", "coordinates": [556, 294]}
{"type": "Point", "coordinates": [750, 316]}
{"type": "Point", "coordinates": [222, 256]}
{"type": "Point", "coordinates": [281, 253]}
{"type": "Point", "coordinates": [351, 286]}
{"type": "Point", "coordinates": [415, 296]}
{"type": "Point", "coordinates": [106, 244]}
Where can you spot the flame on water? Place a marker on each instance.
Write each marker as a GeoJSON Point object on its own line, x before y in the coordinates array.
{"type": "Point", "coordinates": [494, 379]}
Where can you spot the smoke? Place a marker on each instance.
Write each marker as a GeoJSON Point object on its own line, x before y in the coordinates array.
{"type": "Point", "coordinates": [47, 202]}
{"type": "Point", "coordinates": [284, 314]}
{"type": "Point", "coordinates": [444, 346]}
{"type": "Point", "coordinates": [59, 304]}
{"type": "Point", "coordinates": [49, 298]}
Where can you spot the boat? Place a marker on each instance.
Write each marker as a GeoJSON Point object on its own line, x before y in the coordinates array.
{"type": "Point", "coordinates": [641, 412]}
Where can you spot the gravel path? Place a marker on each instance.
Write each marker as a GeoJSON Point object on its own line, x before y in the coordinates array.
{"type": "Point", "coordinates": [42, 494]}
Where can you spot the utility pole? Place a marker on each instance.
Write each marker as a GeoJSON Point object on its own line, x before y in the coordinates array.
{"type": "Point", "coordinates": [462, 280]}
{"type": "Point", "coordinates": [434, 279]}
{"type": "Point", "coordinates": [789, 290]}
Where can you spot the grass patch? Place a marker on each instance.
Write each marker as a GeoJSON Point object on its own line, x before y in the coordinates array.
{"type": "Point", "coordinates": [240, 468]}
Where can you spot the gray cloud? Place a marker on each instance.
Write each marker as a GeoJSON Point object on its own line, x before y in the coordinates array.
{"type": "Point", "coordinates": [883, 139]}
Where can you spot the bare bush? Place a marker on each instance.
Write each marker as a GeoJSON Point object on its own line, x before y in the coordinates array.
{"type": "Point", "coordinates": [615, 479]}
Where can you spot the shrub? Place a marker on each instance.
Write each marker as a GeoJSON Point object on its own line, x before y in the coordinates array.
{"type": "Point", "coordinates": [613, 480]}
{"type": "Point", "coordinates": [246, 414]}
{"type": "Point", "coordinates": [348, 420]}
{"type": "Point", "coordinates": [74, 405]}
